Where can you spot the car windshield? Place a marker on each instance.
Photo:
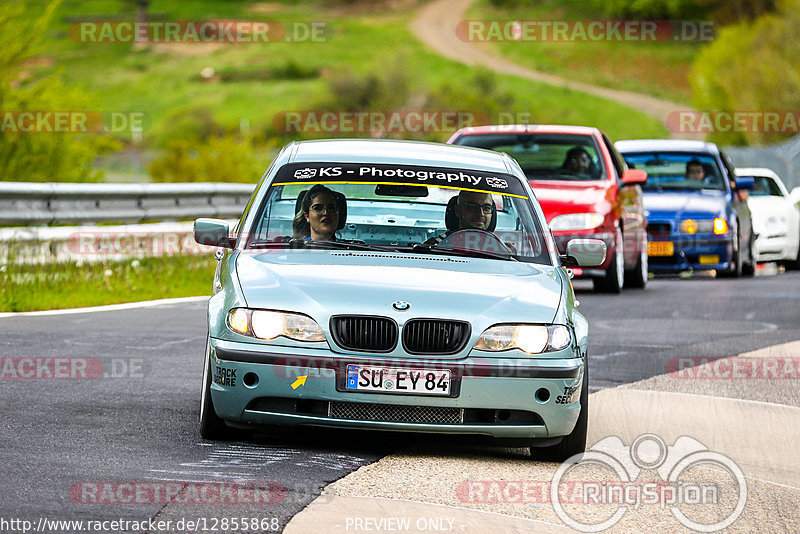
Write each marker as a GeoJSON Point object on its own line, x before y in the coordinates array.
{"type": "Point", "coordinates": [401, 209]}
{"type": "Point", "coordinates": [764, 186]}
{"type": "Point", "coordinates": [545, 156]}
{"type": "Point", "coordinates": [677, 170]}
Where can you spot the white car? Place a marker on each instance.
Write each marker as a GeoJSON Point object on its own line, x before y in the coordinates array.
{"type": "Point", "coordinates": [776, 218]}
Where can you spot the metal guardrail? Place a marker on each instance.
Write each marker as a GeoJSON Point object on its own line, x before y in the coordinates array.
{"type": "Point", "coordinates": [23, 203]}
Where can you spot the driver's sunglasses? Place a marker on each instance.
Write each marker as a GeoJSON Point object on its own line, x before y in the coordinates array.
{"type": "Point", "coordinates": [319, 208]}
{"type": "Point", "coordinates": [472, 206]}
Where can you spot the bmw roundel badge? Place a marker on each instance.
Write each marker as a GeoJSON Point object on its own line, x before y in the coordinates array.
{"type": "Point", "coordinates": [401, 305]}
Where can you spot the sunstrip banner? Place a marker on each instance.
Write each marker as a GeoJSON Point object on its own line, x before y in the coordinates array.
{"type": "Point", "coordinates": [357, 173]}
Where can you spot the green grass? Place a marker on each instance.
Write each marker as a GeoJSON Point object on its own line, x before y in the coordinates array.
{"type": "Point", "coordinates": [159, 81]}
{"type": "Point", "coordinates": [655, 68]}
{"type": "Point", "coordinates": [73, 285]}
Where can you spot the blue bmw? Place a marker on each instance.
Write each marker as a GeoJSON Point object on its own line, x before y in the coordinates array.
{"type": "Point", "coordinates": [697, 215]}
{"type": "Point", "coordinates": [395, 285]}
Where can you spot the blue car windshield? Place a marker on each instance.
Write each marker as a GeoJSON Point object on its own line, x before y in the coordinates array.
{"type": "Point", "coordinates": [679, 170]}
{"type": "Point", "coordinates": [402, 209]}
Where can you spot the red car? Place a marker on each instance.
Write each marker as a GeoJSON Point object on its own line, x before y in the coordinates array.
{"type": "Point", "coordinates": [585, 189]}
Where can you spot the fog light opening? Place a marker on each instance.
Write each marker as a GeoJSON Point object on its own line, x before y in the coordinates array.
{"type": "Point", "coordinates": [250, 380]}
{"type": "Point", "coordinates": [542, 395]}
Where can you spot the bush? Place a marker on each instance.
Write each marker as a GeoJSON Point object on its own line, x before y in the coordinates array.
{"type": "Point", "coordinates": [751, 67]}
{"type": "Point", "coordinates": [40, 156]}
{"type": "Point", "coordinates": [219, 159]}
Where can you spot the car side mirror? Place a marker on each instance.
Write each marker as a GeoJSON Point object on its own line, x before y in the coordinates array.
{"type": "Point", "coordinates": [745, 182]}
{"type": "Point", "coordinates": [584, 253]}
{"type": "Point", "coordinates": [212, 232]}
{"type": "Point", "coordinates": [634, 176]}
{"type": "Point", "coordinates": [794, 195]}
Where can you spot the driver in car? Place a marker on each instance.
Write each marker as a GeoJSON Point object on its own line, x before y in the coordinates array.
{"type": "Point", "coordinates": [473, 210]}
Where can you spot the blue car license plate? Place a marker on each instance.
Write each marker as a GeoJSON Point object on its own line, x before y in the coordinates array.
{"type": "Point", "coordinates": [398, 380]}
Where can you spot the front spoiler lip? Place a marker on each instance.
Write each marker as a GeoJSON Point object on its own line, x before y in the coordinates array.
{"type": "Point", "coordinates": [477, 369]}
{"type": "Point", "coordinates": [538, 432]}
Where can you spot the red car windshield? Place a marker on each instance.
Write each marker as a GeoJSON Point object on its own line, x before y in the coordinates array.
{"type": "Point", "coordinates": [545, 156]}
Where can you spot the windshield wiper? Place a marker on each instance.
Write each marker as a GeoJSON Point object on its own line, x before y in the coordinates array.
{"type": "Point", "coordinates": [446, 251]}
{"type": "Point", "coordinates": [343, 245]}
{"type": "Point", "coordinates": [269, 244]}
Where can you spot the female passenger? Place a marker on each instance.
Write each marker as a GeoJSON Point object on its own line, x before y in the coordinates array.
{"type": "Point", "coordinates": [318, 217]}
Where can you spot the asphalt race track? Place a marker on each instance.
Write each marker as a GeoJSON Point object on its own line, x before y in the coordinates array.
{"type": "Point", "coordinates": [129, 419]}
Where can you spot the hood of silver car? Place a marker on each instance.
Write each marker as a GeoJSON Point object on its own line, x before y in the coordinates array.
{"type": "Point", "coordinates": [325, 283]}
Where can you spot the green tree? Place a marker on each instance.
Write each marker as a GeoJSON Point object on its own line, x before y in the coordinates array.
{"type": "Point", "coordinates": [39, 157]}
{"type": "Point", "coordinates": [752, 66]}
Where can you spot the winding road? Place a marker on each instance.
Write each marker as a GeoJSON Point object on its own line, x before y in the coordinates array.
{"type": "Point", "coordinates": [435, 24]}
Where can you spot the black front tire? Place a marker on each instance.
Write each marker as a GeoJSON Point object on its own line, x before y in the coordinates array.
{"type": "Point", "coordinates": [574, 442]}
{"type": "Point", "coordinates": [749, 268]}
{"type": "Point", "coordinates": [793, 265]}
{"type": "Point", "coordinates": [211, 425]}
{"type": "Point", "coordinates": [735, 270]}
{"type": "Point", "coordinates": [614, 279]}
{"type": "Point", "coordinates": [637, 278]}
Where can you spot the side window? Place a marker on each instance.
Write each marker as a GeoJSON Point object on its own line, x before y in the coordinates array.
{"type": "Point", "coordinates": [615, 157]}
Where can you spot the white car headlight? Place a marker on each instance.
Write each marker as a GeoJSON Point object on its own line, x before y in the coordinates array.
{"type": "Point", "coordinates": [265, 324]}
{"type": "Point", "coordinates": [776, 221]}
{"type": "Point", "coordinates": [577, 221]}
{"type": "Point", "coordinates": [533, 339]}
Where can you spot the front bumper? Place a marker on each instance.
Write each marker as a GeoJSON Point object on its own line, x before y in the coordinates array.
{"type": "Point", "coordinates": [692, 252]}
{"type": "Point", "coordinates": [496, 397]}
{"type": "Point", "coordinates": [774, 248]}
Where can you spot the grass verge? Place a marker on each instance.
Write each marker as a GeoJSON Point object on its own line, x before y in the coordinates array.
{"type": "Point", "coordinates": [74, 285]}
{"type": "Point", "coordinates": [165, 77]}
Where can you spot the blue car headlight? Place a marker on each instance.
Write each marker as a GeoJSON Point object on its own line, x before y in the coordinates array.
{"type": "Point", "coordinates": [717, 226]}
{"type": "Point", "coordinates": [533, 339]}
{"type": "Point", "coordinates": [267, 324]}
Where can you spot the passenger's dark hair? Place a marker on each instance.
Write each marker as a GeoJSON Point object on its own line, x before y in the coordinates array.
{"type": "Point", "coordinates": [300, 226]}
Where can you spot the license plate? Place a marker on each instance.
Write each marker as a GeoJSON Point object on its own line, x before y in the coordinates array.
{"type": "Point", "coordinates": [709, 259]}
{"type": "Point", "coordinates": [396, 380]}
{"type": "Point", "coordinates": [660, 248]}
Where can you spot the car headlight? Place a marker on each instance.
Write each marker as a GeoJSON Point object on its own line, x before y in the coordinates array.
{"type": "Point", "coordinates": [776, 220]}
{"type": "Point", "coordinates": [265, 324]}
{"type": "Point", "coordinates": [533, 339]}
{"type": "Point", "coordinates": [717, 226]}
{"type": "Point", "coordinates": [577, 221]}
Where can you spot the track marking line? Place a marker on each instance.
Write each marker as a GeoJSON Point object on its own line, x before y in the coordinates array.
{"type": "Point", "coordinates": [109, 307]}
{"type": "Point", "coordinates": [716, 397]}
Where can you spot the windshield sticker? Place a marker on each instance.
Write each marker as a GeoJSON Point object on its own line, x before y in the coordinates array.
{"type": "Point", "coordinates": [356, 173]}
